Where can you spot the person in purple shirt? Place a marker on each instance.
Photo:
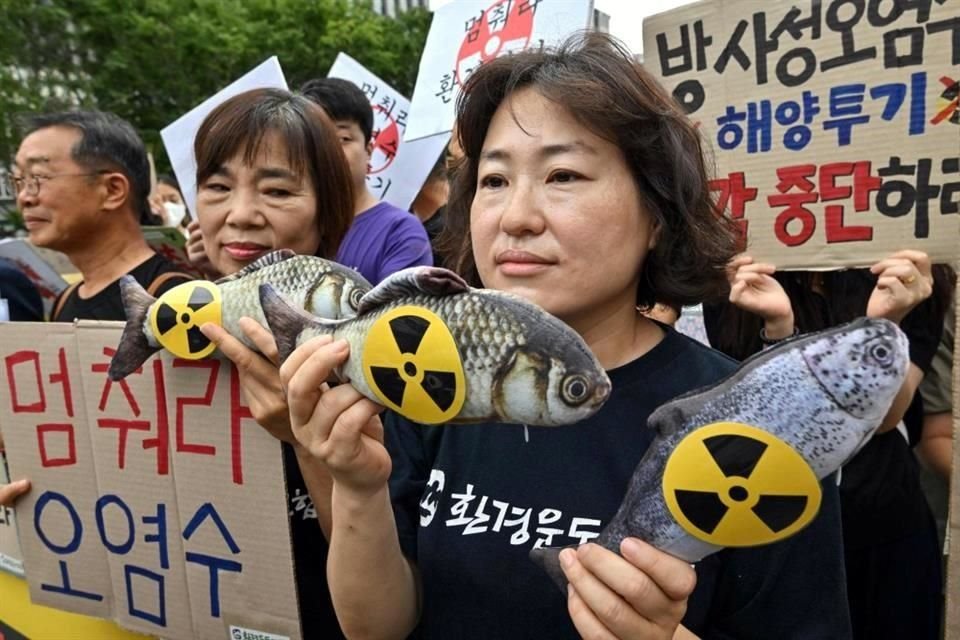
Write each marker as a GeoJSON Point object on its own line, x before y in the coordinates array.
{"type": "Point", "coordinates": [383, 239]}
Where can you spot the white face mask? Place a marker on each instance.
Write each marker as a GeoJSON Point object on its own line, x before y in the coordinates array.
{"type": "Point", "coordinates": [175, 213]}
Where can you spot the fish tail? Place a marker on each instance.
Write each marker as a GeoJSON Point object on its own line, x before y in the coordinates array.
{"type": "Point", "coordinates": [549, 559]}
{"type": "Point", "coordinates": [134, 348]}
{"type": "Point", "coordinates": [287, 322]}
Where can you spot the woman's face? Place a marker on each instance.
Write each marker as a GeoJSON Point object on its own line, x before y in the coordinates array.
{"type": "Point", "coordinates": [556, 217]}
{"type": "Point", "coordinates": [246, 211]}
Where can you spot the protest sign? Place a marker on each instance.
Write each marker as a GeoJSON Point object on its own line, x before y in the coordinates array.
{"type": "Point", "coordinates": [150, 494]}
{"type": "Point", "coordinates": [48, 282]}
{"type": "Point", "coordinates": [834, 125]}
{"type": "Point", "coordinates": [397, 168]}
{"type": "Point", "coordinates": [178, 137]}
{"type": "Point", "coordinates": [468, 33]}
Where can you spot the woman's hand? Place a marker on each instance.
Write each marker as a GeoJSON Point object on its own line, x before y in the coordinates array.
{"type": "Point", "coordinates": [336, 425]}
{"type": "Point", "coordinates": [195, 252]}
{"type": "Point", "coordinates": [259, 375]}
{"type": "Point", "coordinates": [904, 280]}
{"type": "Point", "coordinates": [642, 594]}
{"type": "Point", "coordinates": [754, 289]}
{"type": "Point", "coordinates": [10, 492]}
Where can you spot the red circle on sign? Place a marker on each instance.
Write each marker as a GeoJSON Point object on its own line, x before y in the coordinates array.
{"type": "Point", "coordinates": [387, 141]}
{"type": "Point", "coordinates": [498, 30]}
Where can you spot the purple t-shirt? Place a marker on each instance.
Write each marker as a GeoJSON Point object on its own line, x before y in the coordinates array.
{"type": "Point", "coordinates": [385, 239]}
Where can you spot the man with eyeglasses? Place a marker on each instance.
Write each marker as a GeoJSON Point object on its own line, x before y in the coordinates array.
{"type": "Point", "coordinates": [82, 179]}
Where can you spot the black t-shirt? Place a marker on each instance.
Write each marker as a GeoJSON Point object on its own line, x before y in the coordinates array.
{"type": "Point", "coordinates": [107, 304]}
{"type": "Point", "coordinates": [471, 501]}
{"type": "Point", "coordinates": [317, 616]}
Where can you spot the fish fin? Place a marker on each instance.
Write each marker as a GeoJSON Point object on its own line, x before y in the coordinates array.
{"type": "Point", "coordinates": [134, 349]}
{"type": "Point", "coordinates": [549, 559]}
{"type": "Point", "coordinates": [274, 257]}
{"type": "Point", "coordinates": [434, 281]}
{"type": "Point", "coordinates": [669, 417]}
{"type": "Point", "coordinates": [287, 322]}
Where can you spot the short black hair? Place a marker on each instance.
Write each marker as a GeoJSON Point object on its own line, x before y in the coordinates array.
{"type": "Point", "coordinates": [106, 141]}
{"type": "Point", "coordinates": [342, 100]}
{"type": "Point", "coordinates": [169, 180]}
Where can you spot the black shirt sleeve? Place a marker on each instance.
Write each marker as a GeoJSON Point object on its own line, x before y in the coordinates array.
{"type": "Point", "coordinates": [924, 327]}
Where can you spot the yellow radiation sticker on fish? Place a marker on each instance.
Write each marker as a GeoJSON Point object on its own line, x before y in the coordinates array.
{"type": "Point", "coordinates": [412, 363]}
{"type": "Point", "coordinates": [734, 485]}
{"type": "Point", "coordinates": [176, 318]}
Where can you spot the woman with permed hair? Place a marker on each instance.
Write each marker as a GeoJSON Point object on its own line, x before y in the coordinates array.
{"type": "Point", "coordinates": [583, 189]}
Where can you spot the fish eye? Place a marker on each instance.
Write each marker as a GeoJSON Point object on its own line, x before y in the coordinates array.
{"type": "Point", "coordinates": [881, 353]}
{"type": "Point", "coordinates": [356, 294]}
{"type": "Point", "coordinates": [574, 390]}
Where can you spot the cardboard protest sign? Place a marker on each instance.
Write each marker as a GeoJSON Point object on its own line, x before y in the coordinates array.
{"type": "Point", "coordinates": [163, 480]}
{"type": "Point", "coordinates": [398, 168]}
{"type": "Point", "coordinates": [170, 243]}
{"type": "Point", "coordinates": [178, 137]}
{"type": "Point", "coordinates": [48, 282]}
{"type": "Point", "coordinates": [10, 557]}
{"type": "Point", "coordinates": [468, 33]}
{"type": "Point", "coordinates": [44, 423]}
{"type": "Point", "coordinates": [834, 125]}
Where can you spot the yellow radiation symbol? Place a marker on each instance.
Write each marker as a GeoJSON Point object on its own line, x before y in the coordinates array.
{"type": "Point", "coordinates": [734, 485]}
{"type": "Point", "coordinates": [412, 363]}
{"type": "Point", "coordinates": [176, 318]}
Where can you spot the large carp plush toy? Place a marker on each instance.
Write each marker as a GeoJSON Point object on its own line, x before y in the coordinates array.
{"type": "Point", "coordinates": [740, 463]}
{"type": "Point", "coordinates": [435, 350]}
{"type": "Point", "coordinates": [173, 321]}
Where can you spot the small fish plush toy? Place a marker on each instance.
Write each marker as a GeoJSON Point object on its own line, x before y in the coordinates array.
{"type": "Point", "coordinates": [435, 350]}
{"type": "Point", "coordinates": [173, 321]}
{"type": "Point", "coordinates": [740, 463]}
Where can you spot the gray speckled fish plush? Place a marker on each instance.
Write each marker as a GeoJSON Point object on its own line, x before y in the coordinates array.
{"type": "Point", "coordinates": [436, 350]}
{"type": "Point", "coordinates": [320, 286]}
{"type": "Point", "coordinates": [823, 394]}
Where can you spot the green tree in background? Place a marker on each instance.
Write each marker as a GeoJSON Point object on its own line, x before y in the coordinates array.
{"type": "Point", "coordinates": [150, 61]}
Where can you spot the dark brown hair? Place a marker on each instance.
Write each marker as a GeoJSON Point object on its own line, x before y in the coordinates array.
{"type": "Point", "coordinates": [240, 124]}
{"type": "Point", "coordinates": [595, 79]}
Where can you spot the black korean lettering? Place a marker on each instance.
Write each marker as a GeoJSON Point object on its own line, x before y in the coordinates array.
{"type": "Point", "coordinates": [844, 25]}
{"type": "Point", "coordinates": [893, 42]}
{"type": "Point", "coordinates": [689, 95]}
{"type": "Point", "coordinates": [684, 51]}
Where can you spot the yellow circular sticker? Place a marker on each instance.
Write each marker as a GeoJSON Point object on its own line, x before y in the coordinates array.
{"type": "Point", "coordinates": [734, 485]}
{"type": "Point", "coordinates": [176, 316]}
{"type": "Point", "coordinates": [412, 363]}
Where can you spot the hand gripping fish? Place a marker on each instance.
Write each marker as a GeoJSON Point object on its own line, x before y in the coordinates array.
{"type": "Point", "coordinates": [739, 463]}
{"type": "Point", "coordinates": [173, 321]}
{"type": "Point", "coordinates": [435, 350]}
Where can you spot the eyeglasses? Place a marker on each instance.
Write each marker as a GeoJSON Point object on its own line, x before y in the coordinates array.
{"type": "Point", "coordinates": [32, 183]}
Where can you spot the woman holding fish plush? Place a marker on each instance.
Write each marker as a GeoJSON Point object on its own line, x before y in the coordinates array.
{"type": "Point", "coordinates": [584, 190]}
{"type": "Point", "coordinates": [271, 176]}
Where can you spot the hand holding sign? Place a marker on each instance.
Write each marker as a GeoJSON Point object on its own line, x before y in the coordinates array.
{"type": "Point", "coordinates": [904, 280]}
{"type": "Point", "coordinates": [10, 492]}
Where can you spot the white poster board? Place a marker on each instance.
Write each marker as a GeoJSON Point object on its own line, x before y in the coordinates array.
{"type": "Point", "coordinates": [398, 168]}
